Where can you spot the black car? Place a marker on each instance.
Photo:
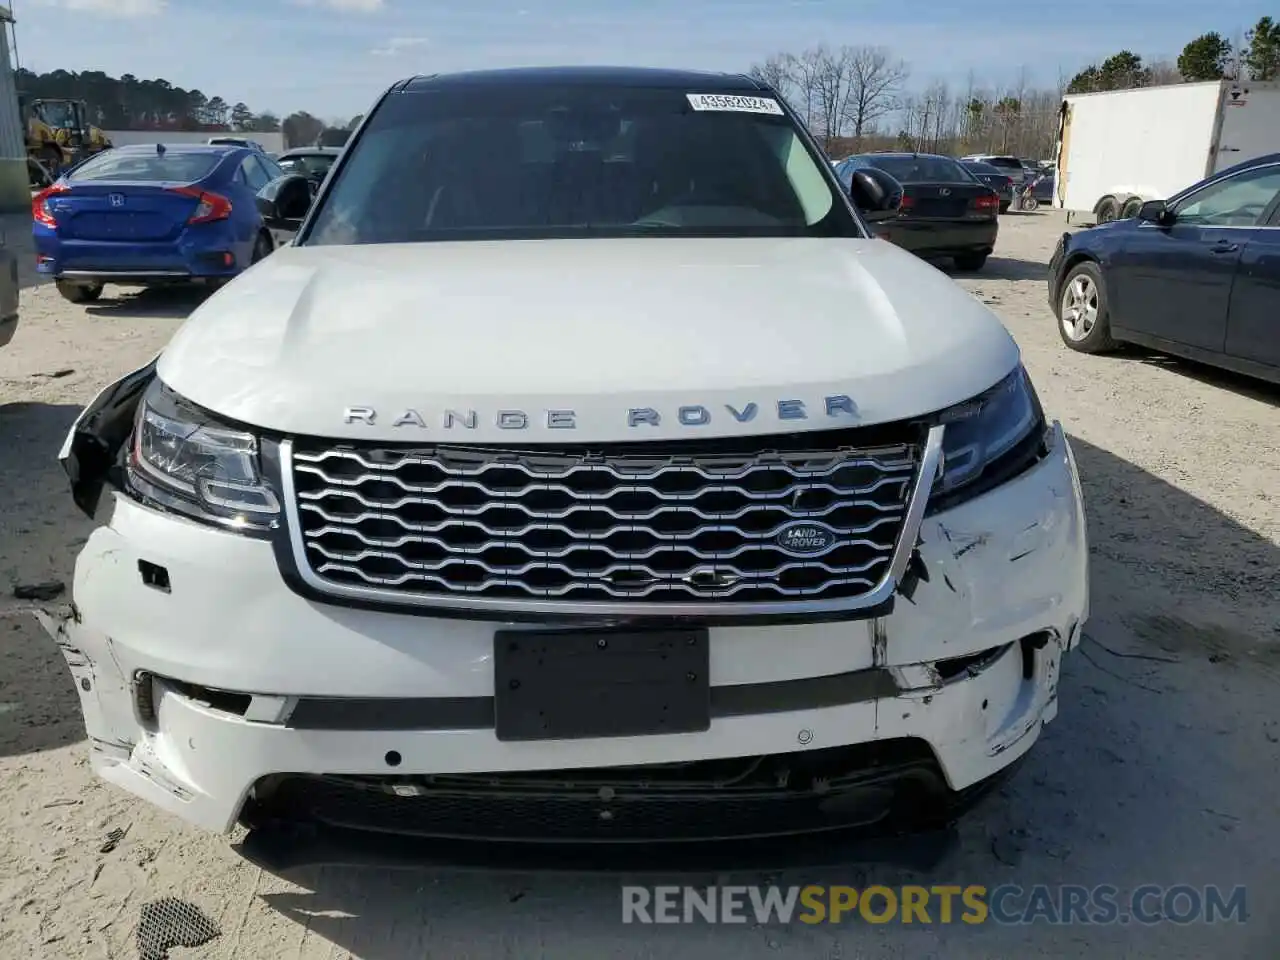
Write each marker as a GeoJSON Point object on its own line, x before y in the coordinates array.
{"type": "Point", "coordinates": [1197, 275]}
{"type": "Point", "coordinates": [946, 211]}
{"type": "Point", "coordinates": [311, 162]}
{"type": "Point", "coordinates": [996, 179]}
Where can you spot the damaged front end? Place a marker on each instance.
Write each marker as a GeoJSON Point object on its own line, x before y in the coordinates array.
{"type": "Point", "coordinates": [92, 454]}
{"type": "Point", "coordinates": [203, 674]}
{"type": "Point", "coordinates": [93, 457]}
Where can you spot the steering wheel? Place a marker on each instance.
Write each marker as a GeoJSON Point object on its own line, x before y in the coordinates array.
{"type": "Point", "coordinates": [689, 198]}
{"type": "Point", "coordinates": [693, 198]}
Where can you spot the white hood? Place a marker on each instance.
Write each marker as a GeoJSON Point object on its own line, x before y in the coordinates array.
{"type": "Point", "coordinates": [595, 327]}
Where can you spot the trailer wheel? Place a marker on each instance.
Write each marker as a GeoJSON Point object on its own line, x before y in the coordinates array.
{"type": "Point", "coordinates": [1106, 210]}
{"type": "Point", "coordinates": [1131, 208]}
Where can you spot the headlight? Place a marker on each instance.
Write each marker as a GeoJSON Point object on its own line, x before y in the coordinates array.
{"type": "Point", "coordinates": [989, 439]}
{"type": "Point", "coordinates": [185, 461]}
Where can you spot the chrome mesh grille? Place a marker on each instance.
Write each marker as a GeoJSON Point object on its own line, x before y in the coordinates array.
{"type": "Point", "coordinates": [590, 527]}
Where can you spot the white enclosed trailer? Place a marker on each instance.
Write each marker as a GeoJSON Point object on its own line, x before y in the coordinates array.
{"type": "Point", "coordinates": [1119, 148]}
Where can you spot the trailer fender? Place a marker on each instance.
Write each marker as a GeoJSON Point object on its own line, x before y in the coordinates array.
{"type": "Point", "coordinates": [1130, 206]}
{"type": "Point", "coordinates": [1106, 209]}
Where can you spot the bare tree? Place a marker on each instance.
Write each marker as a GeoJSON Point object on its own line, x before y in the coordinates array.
{"type": "Point", "coordinates": [861, 90]}
{"type": "Point", "coordinates": [779, 72]}
{"type": "Point", "coordinates": [833, 76]}
{"type": "Point", "coordinates": [876, 81]}
{"type": "Point", "coordinates": [800, 75]}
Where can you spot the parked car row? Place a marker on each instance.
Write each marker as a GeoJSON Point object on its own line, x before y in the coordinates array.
{"type": "Point", "coordinates": [995, 178]}
{"type": "Point", "coordinates": [1020, 171]}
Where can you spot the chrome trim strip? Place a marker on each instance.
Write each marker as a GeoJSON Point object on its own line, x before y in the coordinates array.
{"type": "Point", "coordinates": [100, 274]}
{"type": "Point", "coordinates": [930, 468]}
{"type": "Point", "coordinates": [930, 465]}
{"type": "Point", "coordinates": [1145, 225]}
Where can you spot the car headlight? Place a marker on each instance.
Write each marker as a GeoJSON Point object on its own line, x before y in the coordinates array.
{"type": "Point", "coordinates": [184, 460]}
{"type": "Point", "coordinates": [989, 440]}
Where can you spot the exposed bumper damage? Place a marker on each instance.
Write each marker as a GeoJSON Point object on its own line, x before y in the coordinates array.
{"type": "Point", "coordinates": [200, 692]}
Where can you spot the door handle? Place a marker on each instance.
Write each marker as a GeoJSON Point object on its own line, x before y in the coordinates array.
{"type": "Point", "coordinates": [1224, 246]}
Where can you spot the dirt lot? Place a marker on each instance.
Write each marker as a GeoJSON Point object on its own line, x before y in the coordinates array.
{"type": "Point", "coordinates": [1162, 767]}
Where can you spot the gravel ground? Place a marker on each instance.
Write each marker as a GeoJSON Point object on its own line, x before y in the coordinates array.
{"type": "Point", "coordinates": [1162, 767]}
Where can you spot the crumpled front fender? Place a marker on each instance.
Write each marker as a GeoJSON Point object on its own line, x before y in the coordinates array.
{"type": "Point", "coordinates": [91, 453]}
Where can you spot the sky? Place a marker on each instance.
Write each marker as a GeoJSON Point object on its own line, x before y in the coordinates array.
{"type": "Point", "coordinates": [333, 57]}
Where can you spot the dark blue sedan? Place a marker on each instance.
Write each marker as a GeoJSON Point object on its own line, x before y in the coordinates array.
{"type": "Point", "coordinates": [1197, 275]}
{"type": "Point", "coordinates": [145, 215]}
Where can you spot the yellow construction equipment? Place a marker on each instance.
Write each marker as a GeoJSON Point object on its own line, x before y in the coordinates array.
{"type": "Point", "coordinates": [59, 133]}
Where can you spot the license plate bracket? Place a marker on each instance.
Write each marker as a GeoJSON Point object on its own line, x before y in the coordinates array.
{"type": "Point", "coordinates": [576, 684]}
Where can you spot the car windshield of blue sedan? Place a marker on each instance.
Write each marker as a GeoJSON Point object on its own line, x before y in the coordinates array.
{"type": "Point", "coordinates": [540, 162]}
{"type": "Point", "coordinates": [920, 169]}
{"type": "Point", "coordinates": [149, 167]}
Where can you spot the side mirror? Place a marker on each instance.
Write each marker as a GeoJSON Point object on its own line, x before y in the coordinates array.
{"type": "Point", "coordinates": [286, 198]}
{"type": "Point", "coordinates": [1155, 211]}
{"type": "Point", "coordinates": [876, 194]}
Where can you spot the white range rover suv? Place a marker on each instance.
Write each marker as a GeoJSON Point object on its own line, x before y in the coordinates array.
{"type": "Point", "coordinates": [585, 471]}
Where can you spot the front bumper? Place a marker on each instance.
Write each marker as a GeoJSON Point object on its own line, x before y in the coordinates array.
{"type": "Point", "coordinates": [1053, 280]}
{"type": "Point", "coordinates": [202, 689]}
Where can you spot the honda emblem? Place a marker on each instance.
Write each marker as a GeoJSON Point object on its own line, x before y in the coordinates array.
{"type": "Point", "coordinates": [116, 199]}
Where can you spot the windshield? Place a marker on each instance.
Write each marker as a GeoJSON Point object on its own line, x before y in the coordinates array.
{"type": "Point", "coordinates": [921, 169]}
{"type": "Point", "coordinates": [544, 161]}
{"type": "Point", "coordinates": [59, 115]}
{"type": "Point", "coordinates": [982, 169]}
{"type": "Point", "coordinates": [156, 167]}
{"type": "Point", "coordinates": [309, 165]}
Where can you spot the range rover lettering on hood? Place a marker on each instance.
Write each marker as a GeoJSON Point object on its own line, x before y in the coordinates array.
{"type": "Point", "coordinates": [689, 415]}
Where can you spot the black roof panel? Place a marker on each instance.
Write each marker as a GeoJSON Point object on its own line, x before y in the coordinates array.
{"type": "Point", "coordinates": [694, 81]}
{"type": "Point", "coordinates": [903, 155]}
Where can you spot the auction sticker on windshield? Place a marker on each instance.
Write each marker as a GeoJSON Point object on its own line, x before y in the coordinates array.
{"type": "Point", "coordinates": [734, 102]}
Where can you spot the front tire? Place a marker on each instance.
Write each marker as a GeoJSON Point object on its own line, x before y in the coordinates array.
{"type": "Point", "coordinates": [1083, 321]}
{"type": "Point", "coordinates": [79, 292]}
{"type": "Point", "coordinates": [971, 262]}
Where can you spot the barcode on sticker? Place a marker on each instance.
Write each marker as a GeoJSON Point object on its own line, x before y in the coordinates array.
{"type": "Point", "coordinates": [735, 103]}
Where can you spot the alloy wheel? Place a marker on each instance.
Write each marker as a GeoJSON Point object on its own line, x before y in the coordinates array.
{"type": "Point", "coordinates": [1079, 308]}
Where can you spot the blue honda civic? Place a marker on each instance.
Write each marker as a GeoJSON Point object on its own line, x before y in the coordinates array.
{"type": "Point", "coordinates": [154, 214]}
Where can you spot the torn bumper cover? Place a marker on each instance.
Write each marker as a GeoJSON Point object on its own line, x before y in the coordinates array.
{"type": "Point", "coordinates": [215, 690]}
